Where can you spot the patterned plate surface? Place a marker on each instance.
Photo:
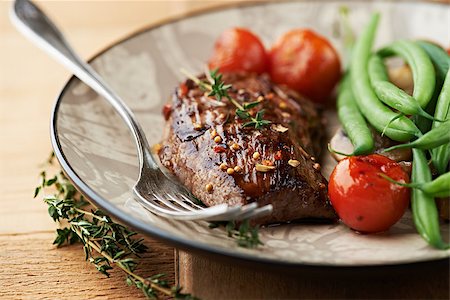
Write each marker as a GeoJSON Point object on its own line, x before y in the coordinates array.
{"type": "Point", "coordinates": [98, 154]}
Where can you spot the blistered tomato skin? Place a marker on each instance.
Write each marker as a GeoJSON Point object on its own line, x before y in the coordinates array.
{"type": "Point", "coordinates": [306, 62]}
{"type": "Point", "coordinates": [238, 49]}
{"type": "Point", "coordinates": [364, 200]}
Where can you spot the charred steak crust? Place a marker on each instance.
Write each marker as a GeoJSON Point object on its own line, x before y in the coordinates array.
{"type": "Point", "coordinates": [223, 170]}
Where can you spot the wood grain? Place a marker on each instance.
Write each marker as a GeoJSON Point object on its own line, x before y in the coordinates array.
{"type": "Point", "coordinates": [33, 268]}
{"type": "Point", "coordinates": [232, 280]}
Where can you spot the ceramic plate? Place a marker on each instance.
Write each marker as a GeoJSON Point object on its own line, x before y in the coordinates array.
{"type": "Point", "coordinates": [97, 152]}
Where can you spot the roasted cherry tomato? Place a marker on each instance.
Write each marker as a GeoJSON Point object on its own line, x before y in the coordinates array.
{"type": "Point", "coordinates": [306, 62]}
{"type": "Point", "coordinates": [238, 49]}
{"type": "Point", "coordinates": [364, 200]}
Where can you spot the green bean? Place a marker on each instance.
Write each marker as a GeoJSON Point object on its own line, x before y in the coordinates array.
{"type": "Point", "coordinates": [443, 104]}
{"type": "Point", "coordinates": [441, 155]}
{"type": "Point", "coordinates": [402, 129]}
{"type": "Point", "coordinates": [390, 94]}
{"type": "Point", "coordinates": [441, 61]}
{"type": "Point", "coordinates": [439, 57]}
{"type": "Point", "coordinates": [421, 66]}
{"type": "Point", "coordinates": [439, 187]}
{"type": "Point", "coordinates": [351, 118]}
{"type": "Point", "coordinates": [348, 112]}
{"type": "Point", "coordinates": [432, 139]}
{"type": "Point", "coordinates": [424, 210]}
{"type": "Point", "coordinates": [422, 123]}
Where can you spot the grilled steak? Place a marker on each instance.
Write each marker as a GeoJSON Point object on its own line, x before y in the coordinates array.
{"type": "Point", "coordinates": [220, 161]}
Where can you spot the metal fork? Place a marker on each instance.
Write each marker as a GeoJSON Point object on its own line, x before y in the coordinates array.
{"type": "Point", "coordinates": [157, 191]}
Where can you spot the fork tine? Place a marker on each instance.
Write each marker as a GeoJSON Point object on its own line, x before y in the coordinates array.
{"type": "Point", "coordinates": [176, 204]}
{"type": "Point", "coordinates": [259, 212]}
{"type": "Point", "coordinates": [203, 214]}
{"type": "Point", "coordinates": [233, 212]}
{"type": "Point", "coordinates": [181, 202]}
{"type": "Point", "coordinates": [166, 202]}
{"type": "Point", "coordinates": [227, 215]}
{"type": "Point", "coordinates": [191, 202]}
{"type": "Point", "coordinates": [246, 210]}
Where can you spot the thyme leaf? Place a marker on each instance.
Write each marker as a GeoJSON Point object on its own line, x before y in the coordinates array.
{"type": "Point", "coordinates": [218, 88]}
{"type": "Point", "coordinates": [246, 235]}
{"type": "Point", "coordinates": [243, 114]}
{"type": "Point", "coordinates": [251, 104]}
{"type": "Point", "coordinates": [258, 121]}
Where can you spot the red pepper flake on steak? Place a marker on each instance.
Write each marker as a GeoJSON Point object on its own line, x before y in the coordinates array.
{"type": "Point", "coordinates": [198, 160]}
{"type": "Point", "coordinates": [219, 149]}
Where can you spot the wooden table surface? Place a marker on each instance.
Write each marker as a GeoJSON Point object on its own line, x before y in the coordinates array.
{"type": "Point", "coordinates": [31, 267]}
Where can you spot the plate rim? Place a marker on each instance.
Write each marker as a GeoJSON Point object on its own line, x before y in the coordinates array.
{"type": "Point", "coordinates": [181, 243]}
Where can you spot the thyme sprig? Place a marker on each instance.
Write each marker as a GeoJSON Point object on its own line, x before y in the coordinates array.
{"type": "Point", "coordinates": [105, 243]}
{"type": "Point", "coordinates": [246, 235]}
{"type": "Point", "coordinates": [217, 87]}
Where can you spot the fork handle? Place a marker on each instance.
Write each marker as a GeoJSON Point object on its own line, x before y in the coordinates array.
{"type": "Point", "coordinates": [35, 25]}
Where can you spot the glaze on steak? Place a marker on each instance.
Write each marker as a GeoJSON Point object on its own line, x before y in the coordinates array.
{"type": "Point", "coordinates": [223, 170]}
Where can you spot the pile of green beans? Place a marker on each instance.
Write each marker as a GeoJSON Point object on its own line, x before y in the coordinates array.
{"type": "Point", "coordinates": [379, 116]}
{"type": "Point", "coordinates": [420, 121]}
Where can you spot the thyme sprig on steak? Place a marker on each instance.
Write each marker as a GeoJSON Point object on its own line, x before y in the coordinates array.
{"type": "Point", "coordinates": [217, 87]}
